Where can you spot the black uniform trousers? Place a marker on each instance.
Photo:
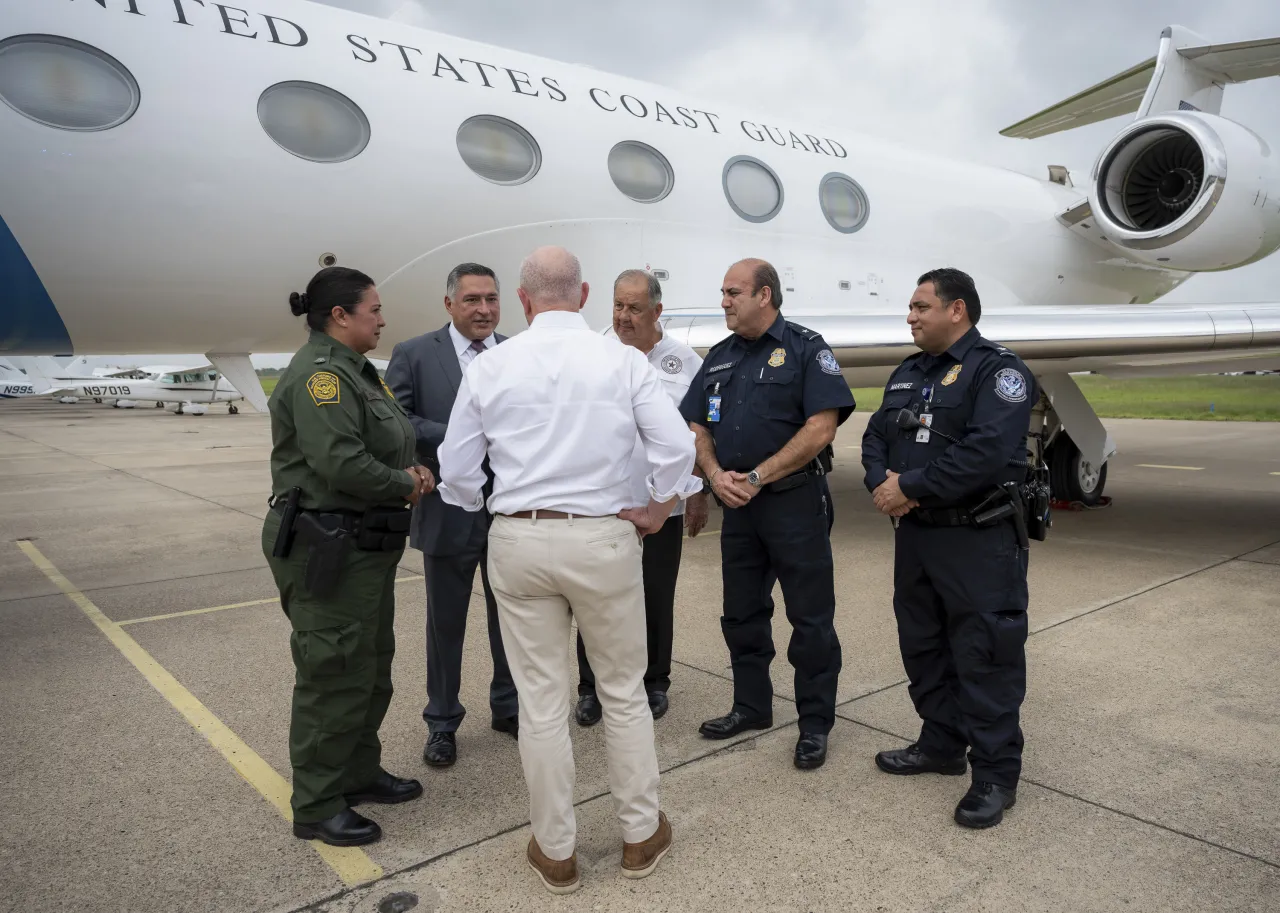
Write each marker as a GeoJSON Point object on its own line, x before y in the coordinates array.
{"type": "Point", "coordinates": [782, 537]}
{"type": "Point", "coordinates": [960, 598]}
{"type": "Point", "coordinates": [449, 582]}
{"type": "Point", "coordinates": [659, 567]}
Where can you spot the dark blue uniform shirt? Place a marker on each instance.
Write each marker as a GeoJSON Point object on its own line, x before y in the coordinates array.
{"type": "Point", "coordinates": [767, 389]}
{"type": "Point", "coordinates": [979, 393]}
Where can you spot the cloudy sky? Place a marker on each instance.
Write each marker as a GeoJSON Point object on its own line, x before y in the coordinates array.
{"type": "Point", "coordinates": [949, 75]}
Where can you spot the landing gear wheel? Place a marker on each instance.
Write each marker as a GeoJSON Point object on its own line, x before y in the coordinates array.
{"type": "Point", "coordinates": [1072, 477]}
{"type": "Point", "coordinates": [159, 405]}
{"type": "Point", "coordinates": [232, 410]}
{"type": "Point", "coordinates": [179, 412]}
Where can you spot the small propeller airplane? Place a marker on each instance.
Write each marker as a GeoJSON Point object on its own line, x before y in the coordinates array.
{"type": "Point", "coordinates": [190, 387]}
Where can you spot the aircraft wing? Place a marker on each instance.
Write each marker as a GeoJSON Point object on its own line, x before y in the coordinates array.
{"type": "Point", "coordinates": [1156, 338]}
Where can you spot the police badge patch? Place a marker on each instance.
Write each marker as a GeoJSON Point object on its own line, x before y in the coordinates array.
{"type": "Point", "coordinates": [952, 375]}
{"type": "Point", "coordinates": [828, 362]}
{"type": "Point", "coordinates": [778, 357]}
{"type": "Point", "coordinates": [672, 364]}
{"type": "Point", "coordinates": [1010, 385]}
{"type": "Point", "coordinates": [323, 388]}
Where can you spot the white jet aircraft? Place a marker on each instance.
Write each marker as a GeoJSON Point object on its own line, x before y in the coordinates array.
{"type": "Point", "coordinates": [174, 168]}
{"type": "Point", "coordinates": [190, 387]}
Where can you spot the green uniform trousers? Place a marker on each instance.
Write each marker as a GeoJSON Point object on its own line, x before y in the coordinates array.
{"type": "Point", "coordinates": [342, 648]}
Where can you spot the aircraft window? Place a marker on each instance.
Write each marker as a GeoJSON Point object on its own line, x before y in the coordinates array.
{"type": "Point", "coordinates": [168, 379]}
{"type": "Point", "coordinates": [752, 189]}
{"type": "Point", "coordinates": [843, 202]}
{"type": "Point", "coordinates": [191, 378]}
{"type": "Point", "coordinates": [640, 171]}
{"type": "Point", "coordinates": [498, 150]}
{"type": "Point", "coordinates": [66, 84]}
{"type": "Point", "coordinates": [313, 121]}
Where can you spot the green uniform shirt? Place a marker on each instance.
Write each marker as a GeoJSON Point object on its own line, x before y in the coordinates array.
{"type": "Point", "coordinates": [337, 432]}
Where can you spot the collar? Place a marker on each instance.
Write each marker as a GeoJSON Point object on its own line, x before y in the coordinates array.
{"type": "Point", "coordinates": [960, 348]}
{"type": "Point", "coordinates": [559, 320]}
{"type": "Point", "coordinates": [462, 343]}
{"type": "Point", "coordinates": [778, 330]}
{"type": "Point", "coordinates": [326, 343]}
{"type": "Point", "coordinates": [658, 347]}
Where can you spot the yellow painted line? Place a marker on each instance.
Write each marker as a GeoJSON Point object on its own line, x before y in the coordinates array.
{"type": "Point", "coordinates": [1158, 466]}
{"type": "Point", "coordinates": [351, 864]}
{"type": "Point", "coordinates": [1276, 473]}
{"type": "Point", "coordinates": [223, 608]}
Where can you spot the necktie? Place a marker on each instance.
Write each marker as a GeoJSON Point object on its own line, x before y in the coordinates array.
{"type": "Point", "coordinates": [477, 346]}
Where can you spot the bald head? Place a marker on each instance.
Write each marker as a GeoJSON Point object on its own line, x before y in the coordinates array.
{"type": "Point", "coordinates": [551, 280]}
{"type": "Point", "coordinates": [750, 297]}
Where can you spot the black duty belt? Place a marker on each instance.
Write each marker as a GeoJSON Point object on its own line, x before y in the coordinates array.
{"type": "Point", "coordinates": [795, 480]}
{"type": "Point", "coordinates": [942, 516]}
{"type": "Point", "coordinates": [378, 529]}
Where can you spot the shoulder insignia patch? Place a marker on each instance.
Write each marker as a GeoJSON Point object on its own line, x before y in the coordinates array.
{"type": "Point", "coordinates": [952, 375]}
{"type": "Point", "coordinates": [1011, 386]}
{"type": "Point", "coordinates": [778, 357]}
{"type": "Point", "coordinates": [323, 388]}
{"type": "Point", "coordinates": [828, 362]}
{"type": "Point", "coordinates": [672, 364]}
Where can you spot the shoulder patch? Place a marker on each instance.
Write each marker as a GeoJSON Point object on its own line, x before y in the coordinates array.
{"type": "Point", "coordinates": [324, 389]}
{"type": "Point", "coordinates": [1011, 386]}
{"type": "Point", "coordinates": [672, 364]}
{"type": "Point", "coordinates": [828, 362]}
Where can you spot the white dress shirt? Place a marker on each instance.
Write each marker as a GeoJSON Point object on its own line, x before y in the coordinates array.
{"type": "Point", "coordinates": [557, 410]}
{"type": "Point", "coordinates": [677, 365]}
{"type": "Point", "coordinates": [462, 345]}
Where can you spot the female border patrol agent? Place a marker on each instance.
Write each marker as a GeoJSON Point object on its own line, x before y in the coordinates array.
{"type": "Point", "coordinates": [764, 408]}
{"type": "Point", "coordinates": [960, 587]}
{"type": "Point", "coordinates": [342, 480]}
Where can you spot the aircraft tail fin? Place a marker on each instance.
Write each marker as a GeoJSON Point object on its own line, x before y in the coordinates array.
{"type": "Point", "coordinates": [1187, 74]}
{"type": "Point", "coordinates": [37, 373]}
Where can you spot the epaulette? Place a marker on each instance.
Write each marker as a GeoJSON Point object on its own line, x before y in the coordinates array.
{"type": "Point", "coordinates": [807, 333]}
{"type": "Point", "coordinates": [986, 343]}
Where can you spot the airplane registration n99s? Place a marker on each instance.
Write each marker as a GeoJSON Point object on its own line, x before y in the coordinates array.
{"type": "Point", "coordinates": [174, 168]}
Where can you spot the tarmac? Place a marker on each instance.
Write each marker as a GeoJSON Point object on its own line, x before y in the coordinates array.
{"type": "Point", "coordinates": [146, 676]}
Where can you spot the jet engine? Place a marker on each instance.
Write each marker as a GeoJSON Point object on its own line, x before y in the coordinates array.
{"type": "Point", "coordinates": [1188, 191]}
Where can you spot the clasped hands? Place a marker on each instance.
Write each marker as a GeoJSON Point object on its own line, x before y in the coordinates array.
{"type": "Point", "coordinates": [890, 500]}
{"type": "Point", "coordinates": [424, 483]}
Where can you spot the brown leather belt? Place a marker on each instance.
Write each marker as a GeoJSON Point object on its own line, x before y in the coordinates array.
{"type": "Point", "coordinates": [546, 515]}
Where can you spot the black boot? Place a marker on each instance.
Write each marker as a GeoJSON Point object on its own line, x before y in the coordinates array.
{"type": "Point", "coordinates": [346, 828]}
{"type": "Point", "coordinates": [811, 750]}
{"type": "Point", "coordinates": [984, 804]}
{"type": "Point", "coordinates": [732, 723]}
{"type": "Point", "coordinates": [912, 760]}
{"type": "Point", "coordinates": [386, 790]}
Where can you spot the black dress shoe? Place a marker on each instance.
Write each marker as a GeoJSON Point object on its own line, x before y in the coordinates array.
{"type": "Point", "coordinates": [658, 703]}
{"type": "Point", "coordinates": [588, 711]}
{"type": "Point", "coordinates": [441, 749]}
{"type": "Point", "coordinates": [386, 790]}
{"type": "Point", "coordinates": [811, 750]}
{"type": "Point", "coordinates": [984, 804]}
{"type": "Point", "coordinates": [508, 724]}
{"type": "Point", "coordinates": [912, 760]}
{"type": "Point", "coordinates": [346, 828]}
{"type": "Point", "coordinates": [732, 723]}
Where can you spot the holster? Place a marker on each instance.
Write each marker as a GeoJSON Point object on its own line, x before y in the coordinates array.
{"type": "Point", "coordinates": [284, 536]}
{"type": "Point", "coordinates": [1003, 503]}
{"type": "Point", "coordinates": [327, 545]}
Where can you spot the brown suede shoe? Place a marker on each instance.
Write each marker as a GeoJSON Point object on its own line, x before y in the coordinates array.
{"type": "Point", "coordinates": [560, 876]}
{"type": "Point", "coordinates": [640, 859]}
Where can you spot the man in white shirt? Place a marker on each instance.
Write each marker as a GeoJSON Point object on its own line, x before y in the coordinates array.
{"type": "Point", "coordinates": [557, 410]}
{"type": "Point", "coordinates": [637, 307]}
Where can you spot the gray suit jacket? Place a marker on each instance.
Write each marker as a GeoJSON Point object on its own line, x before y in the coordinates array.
{"type": "Point", "coordinates": [424, 376]}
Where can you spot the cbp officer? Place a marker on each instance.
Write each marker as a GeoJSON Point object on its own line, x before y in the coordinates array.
{"type": "Point", "coordinates": [342, 479]}
{"type": "Point", "coordinates": [960, 591]}
{"type": "Point", "coordinates": [764, 408]}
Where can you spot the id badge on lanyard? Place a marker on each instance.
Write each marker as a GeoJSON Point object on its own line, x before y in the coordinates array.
{"type": "Point", "coordinates": [713, 404]}
{"type": "Point", "coordinates": [926, 417]}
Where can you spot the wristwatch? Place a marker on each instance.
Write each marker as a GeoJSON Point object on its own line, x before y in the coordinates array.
{"type": "Point", "coordinates": [754, 478]}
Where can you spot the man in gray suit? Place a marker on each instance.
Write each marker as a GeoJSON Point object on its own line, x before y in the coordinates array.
{"type": "Point", "coordinates": [424, 375]}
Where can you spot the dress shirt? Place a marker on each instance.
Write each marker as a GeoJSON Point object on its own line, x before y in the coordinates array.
{"type": "Point", "coordinates": [676, 365]}
{"type": "Point", "coordinates": [462, 345]}
{"type": "Point", "coordinates": [557, 410]}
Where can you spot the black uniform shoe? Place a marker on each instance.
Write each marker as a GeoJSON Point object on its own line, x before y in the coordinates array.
{"type": "Point", "coordinates": [911, 760]}
{"type": "Point", "coordinates": [732, 723]}
{"type": "Point", "coordinates": [441, 750]}
{"type": "Point", "coordinates": [811, 750]}
{"type": "Point", "coordinates": [658, 703]}
{"type": "Point", "coordinates": [984, 804]}
{"type": "Point", "coordinates": [588, 711]}
{"type": "Point", "coordinates": [386, 789]}
{"type": "Point", "coordinates": [346, 828]}
{"type": "Point", "coordinates": [508, 724]}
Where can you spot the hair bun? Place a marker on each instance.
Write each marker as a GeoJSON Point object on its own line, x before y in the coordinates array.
{"type": "Point", "coordinates": [298, 304]}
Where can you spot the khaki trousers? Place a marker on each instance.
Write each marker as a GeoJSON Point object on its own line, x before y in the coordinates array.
{"type": "Point", "coordinates": [544, 574]}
